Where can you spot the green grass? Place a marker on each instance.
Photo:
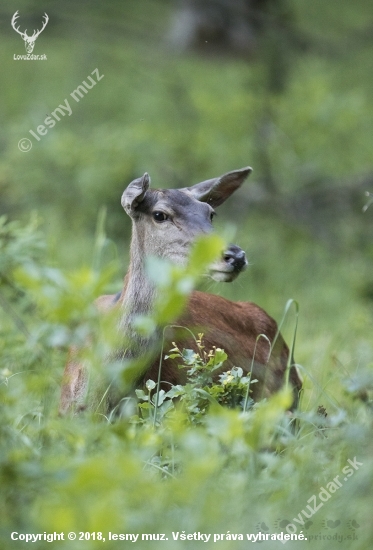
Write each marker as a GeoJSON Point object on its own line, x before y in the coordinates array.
{"type": "Point", "coordinates": [184, 119]}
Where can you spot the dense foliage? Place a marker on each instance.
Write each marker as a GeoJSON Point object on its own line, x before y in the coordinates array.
{"type": "Point", "coordinates": [197, 458]}
{"type": "Point", "coordinates": [192, 460]}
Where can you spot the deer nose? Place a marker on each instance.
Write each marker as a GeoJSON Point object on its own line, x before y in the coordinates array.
{"type": "Point", "coordinates": [236, 257]}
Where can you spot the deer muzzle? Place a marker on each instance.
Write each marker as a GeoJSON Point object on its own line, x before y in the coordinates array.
{"type": "Point", "coordinates": [232, 262]}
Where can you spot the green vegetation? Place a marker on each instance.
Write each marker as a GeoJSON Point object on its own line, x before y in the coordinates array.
{"type": "Point", "coordinates": [192, 465]}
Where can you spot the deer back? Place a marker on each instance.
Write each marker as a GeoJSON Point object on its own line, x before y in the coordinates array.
{"type": "Point", "coordinates": [234, 327]}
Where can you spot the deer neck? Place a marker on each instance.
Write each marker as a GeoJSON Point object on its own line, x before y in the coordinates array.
{"type": "Point", "coordinates": [139, 290]}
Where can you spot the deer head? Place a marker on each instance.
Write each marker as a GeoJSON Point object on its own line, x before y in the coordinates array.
{"type": "Point", "coordinates": [167, 221]}
{"type": "Point", "coordinates": [29, 40]}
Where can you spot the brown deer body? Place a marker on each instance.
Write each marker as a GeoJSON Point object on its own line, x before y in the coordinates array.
{"type": "Point", "coordinates": [165, 222]}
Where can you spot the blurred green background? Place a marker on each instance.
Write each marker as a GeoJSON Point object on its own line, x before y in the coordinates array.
{"type": "Point", "coordinates": [190, 90]}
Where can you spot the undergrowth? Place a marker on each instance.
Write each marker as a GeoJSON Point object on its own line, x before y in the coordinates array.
{"type": "Point", "coordinates": [197, 458]}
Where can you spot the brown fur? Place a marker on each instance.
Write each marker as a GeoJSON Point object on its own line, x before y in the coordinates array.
{"type": "Point", "coordinates": [232, 326]}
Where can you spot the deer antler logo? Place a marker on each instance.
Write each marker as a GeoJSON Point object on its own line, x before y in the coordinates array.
{"type": "Point", "coordinates": [29, 40]}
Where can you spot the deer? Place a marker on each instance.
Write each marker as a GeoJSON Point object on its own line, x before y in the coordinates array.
{"type": "Point", "coordinates": [29, 40]}
{"type": "Point", "coordinates": [165, 224]}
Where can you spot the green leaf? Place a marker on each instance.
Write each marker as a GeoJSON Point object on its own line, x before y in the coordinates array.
{"type": "Point", "coordinates": [150, 385]}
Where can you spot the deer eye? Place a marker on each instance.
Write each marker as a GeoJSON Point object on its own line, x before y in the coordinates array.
{"type": "Point", "coordinates": [159, 216]}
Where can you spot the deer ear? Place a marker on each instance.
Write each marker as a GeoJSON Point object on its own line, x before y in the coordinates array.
{"type": "Point", "coordinates": [135, 193]}
{"type": "Point", "coordinates": [217, 190]}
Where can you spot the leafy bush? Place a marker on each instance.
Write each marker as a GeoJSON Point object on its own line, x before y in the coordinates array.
{"type": "Point", "coordinates": [196, 396]}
